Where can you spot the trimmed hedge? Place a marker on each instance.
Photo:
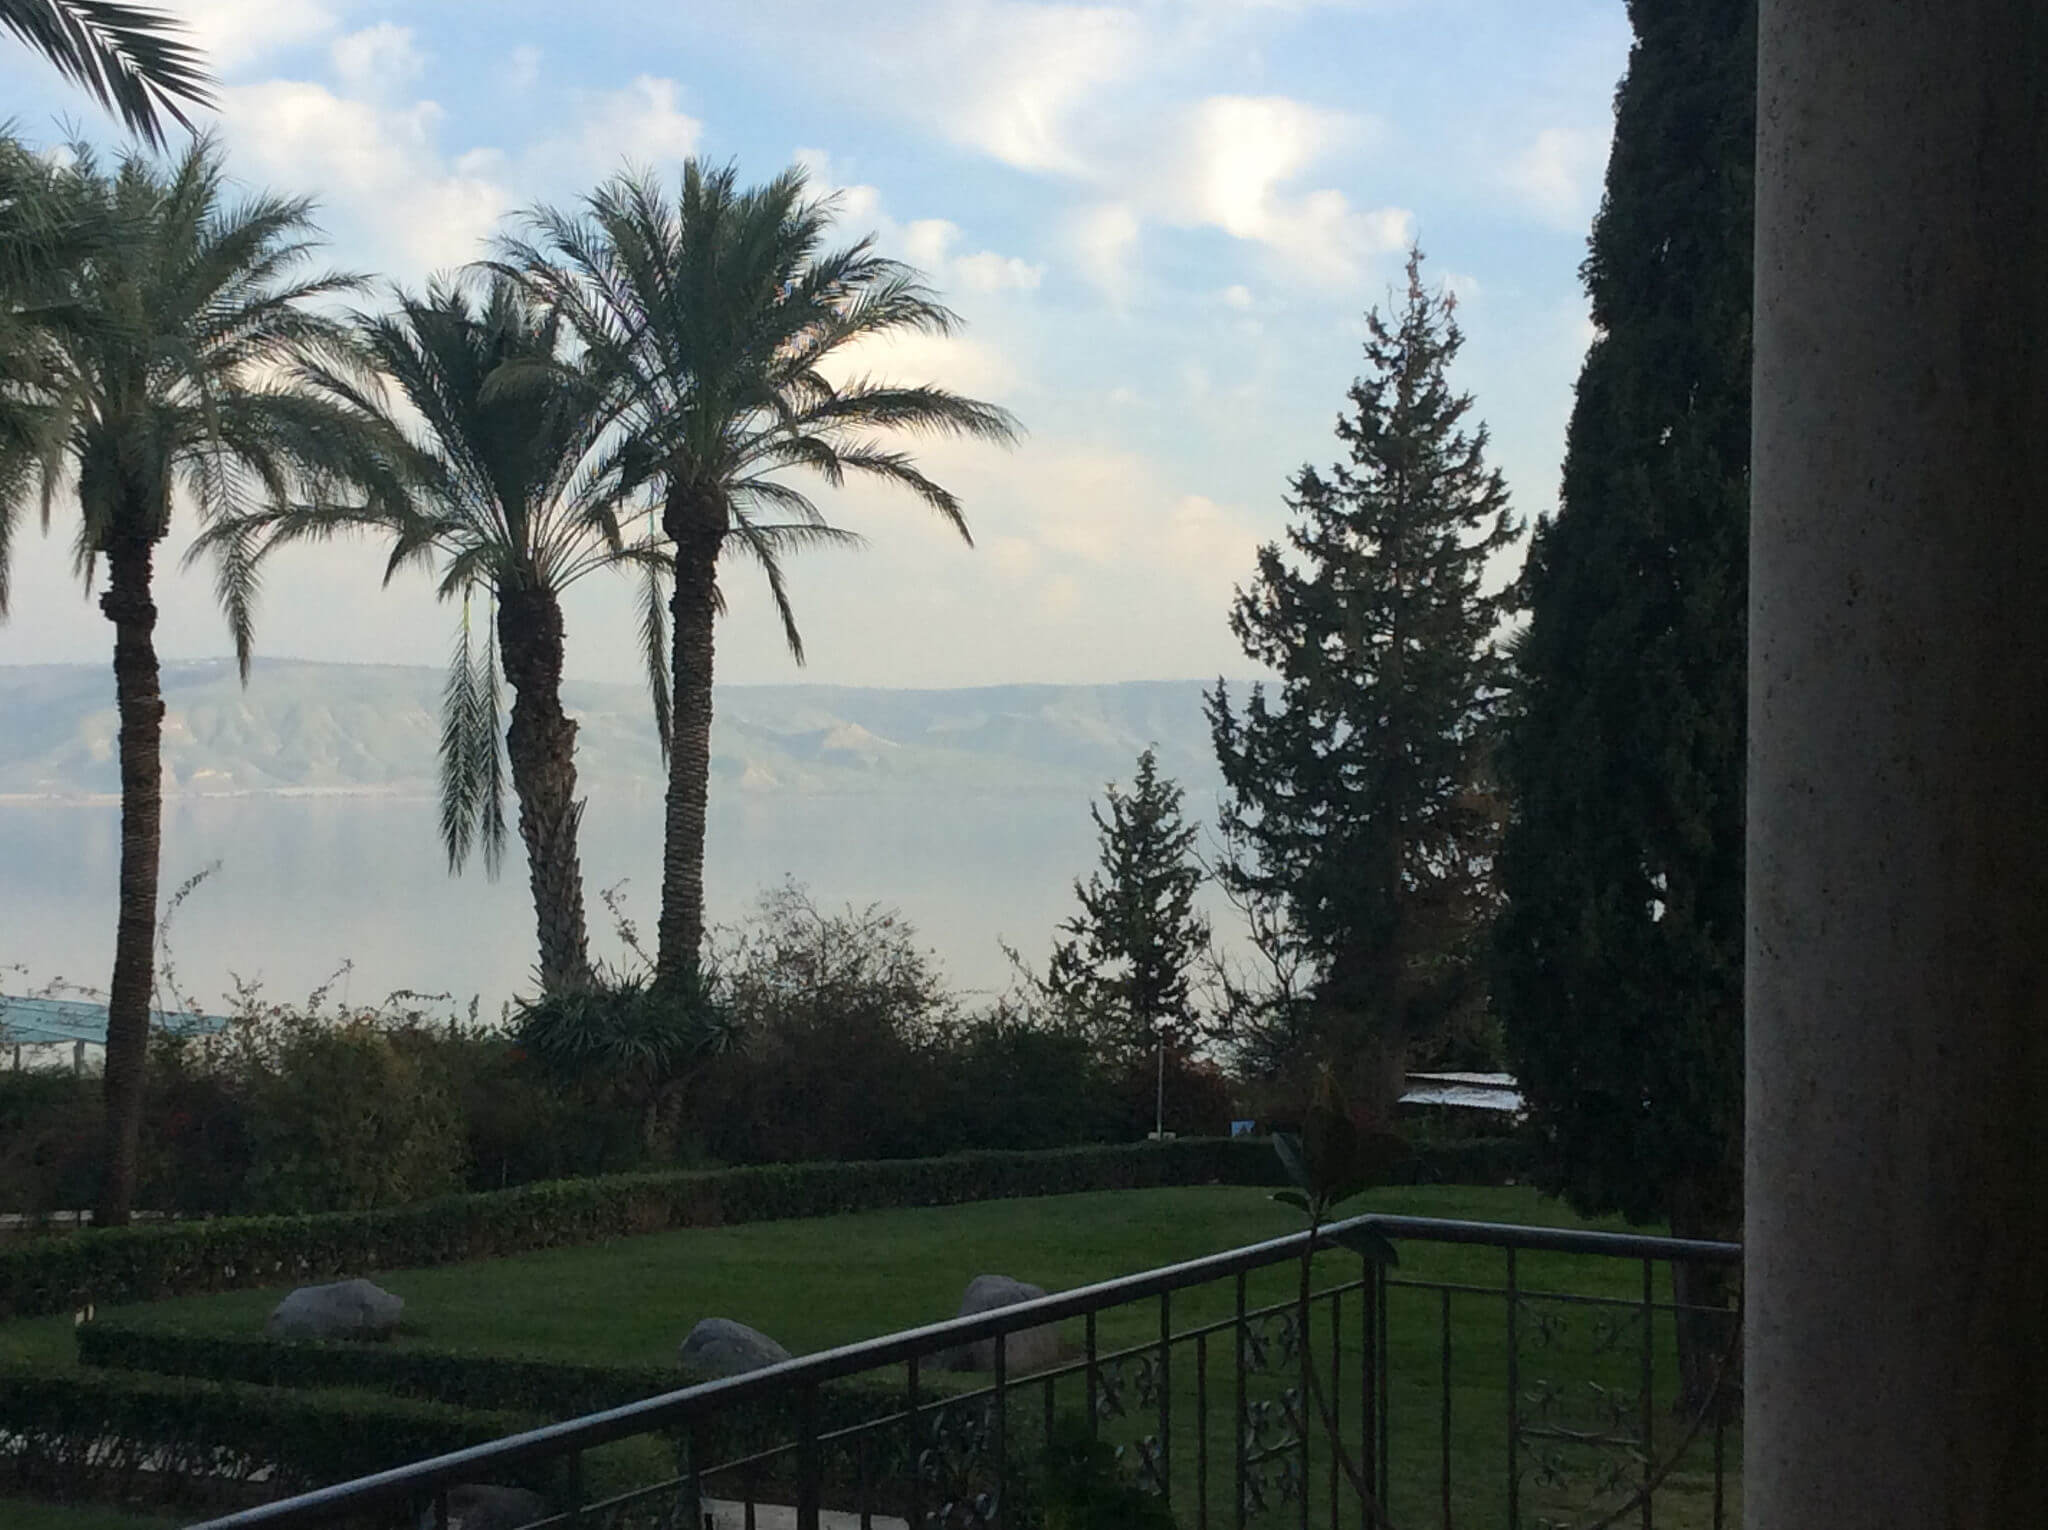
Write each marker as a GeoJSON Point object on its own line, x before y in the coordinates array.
{"type": "Point", "coordinates": [139, 1264]}
{"type": "Point", "coordinates": [536, 1389]}
{"type": "Point", "coordinates": [551, 1388]}
{"type": "Point", "coordinates": [85, 1433]}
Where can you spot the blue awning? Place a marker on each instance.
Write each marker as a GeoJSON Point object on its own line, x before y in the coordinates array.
{"type": "Point", "coordinates": [41, 1021]}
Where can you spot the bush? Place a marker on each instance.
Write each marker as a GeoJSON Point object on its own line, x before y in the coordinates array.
{"type": "Point", "coordinates": [49, 1141]}
{"type": "Point", "coordinates": [83, 1434]}
{"type": "Point", "coordinates": [349, 1118]}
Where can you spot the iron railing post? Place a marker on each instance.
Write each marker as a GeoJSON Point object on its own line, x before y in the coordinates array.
{"type": "Point", "coordinates": [1202, 1432]}
{"type": "Point", "coordinates": [1165, 1458]}
{"type": "Point", "coordinates": [1243, 1405]}
{"type": "Point", "coordinates": [1444, 1424]}
{"type": "Point", "coordinates": [1514, 1401]}
{"type": "Point", "coordinates": [1648, 1424]}
{"type": "Point", "coordinates": [809, 1468]}
{"type": "Point", "coordinates": [1002, 1431]}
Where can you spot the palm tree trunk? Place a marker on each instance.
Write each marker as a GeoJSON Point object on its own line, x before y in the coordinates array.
{"type": "Point", "coordinates": [139, 700]}
{"type": "Point", "coordinates": [541, 744]}
{"type": "Point", "coordinates": [693, 608]}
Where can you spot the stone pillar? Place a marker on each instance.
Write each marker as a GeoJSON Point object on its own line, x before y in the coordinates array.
{"type": "Point", "coordinates": [1897, 1279]}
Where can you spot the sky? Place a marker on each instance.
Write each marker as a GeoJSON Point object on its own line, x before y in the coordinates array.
{"type": "Point", "coordinates": [1162, 223]}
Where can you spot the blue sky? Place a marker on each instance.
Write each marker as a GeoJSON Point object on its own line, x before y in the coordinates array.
{"type": "Point", "coordinates": [1162, 223]}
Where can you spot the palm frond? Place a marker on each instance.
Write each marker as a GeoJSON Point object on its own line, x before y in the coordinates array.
{"type": "Point", "coordinates": [130, 58]}
{"type": "Point", "coordinates": [471, 762]}
{"type": "Point", "coordinates": [654, 650]}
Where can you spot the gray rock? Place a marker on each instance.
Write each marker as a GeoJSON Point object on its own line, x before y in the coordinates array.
{"type": "Point", "coordinates": [484, 1506]}
{"type": "Point", "coordinates": [720, 1347]}
{"type": "Point", "coordinates": [347, 1309]}
{"type": "Point", "coordinates": [1025, 1351]}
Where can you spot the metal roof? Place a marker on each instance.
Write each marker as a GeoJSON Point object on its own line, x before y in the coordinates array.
{"type": "Point", "coordinates": [30, 1021]}
{"type": "Point", "coordinates": [1465, 1096]}
{"type": "Point", "coordinates": [1476, 1080]}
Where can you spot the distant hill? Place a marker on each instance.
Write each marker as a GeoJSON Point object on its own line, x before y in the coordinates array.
{"type": "Point", "coordinates": [347, 729]}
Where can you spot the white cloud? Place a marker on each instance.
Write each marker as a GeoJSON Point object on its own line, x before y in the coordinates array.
{"type": "Point", "coordinates": [524, 68]}
{"type": "Point", "coordinates": [378, 59]}
{"type": "Point", "coordinates": [986, 271]}
{"type": "Point", "coordinates": [1104, 240]}
{"type": "Point", "coordinates": [643, 123]}
{"type": "Point", "coordinates": [956, 361]}
{"type": "Point", "coordinates": [1558, 175]}
{"type": "Point", "coordinates": [1238, 295]}
{"type": "Point", "coordinates": [1008, 78]}
{"type": "Point", "coordinates": [926, 243]}
{"type": "Point", "coordinates": [380, 166]}
{"type": "Point", "coordinates": [1230, 162]}
{"type": "Point", "coordinates": [232, 33]}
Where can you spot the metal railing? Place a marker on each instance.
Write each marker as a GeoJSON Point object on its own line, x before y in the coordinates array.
{"type": "Point", "coordinates": [1209, 1384]}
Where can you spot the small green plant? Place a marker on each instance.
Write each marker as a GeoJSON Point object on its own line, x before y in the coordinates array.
{"type": "Point", "coordinates": [1079, 1484]}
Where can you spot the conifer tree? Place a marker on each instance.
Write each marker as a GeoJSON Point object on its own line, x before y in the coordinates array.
{"type": "Point", "coordinates": [1126, 959]}
{"type": "Point", "coordinates": [1357, 803]}
{"type": "Point", "coordinates": [1619, 974]}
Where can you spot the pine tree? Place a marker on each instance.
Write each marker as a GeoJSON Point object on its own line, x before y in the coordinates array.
{"type": "Point", "coordinates": [1619, 973]}
{"type": "Point", "coordinates": [1126, 960]}
{"type": "Point", "coordinates": [1357, 794]}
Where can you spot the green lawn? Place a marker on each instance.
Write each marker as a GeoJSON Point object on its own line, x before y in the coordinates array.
{"type": "Point", "coordinates": [817, 1283]}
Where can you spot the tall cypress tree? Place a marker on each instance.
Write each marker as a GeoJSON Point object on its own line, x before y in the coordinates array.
{"type": "Point", "coordinates": [1124, 962]}
{"type": "Point", "coordinates": [1357, 802]}
{"type": "Point", "coordinates": [1619, 976]}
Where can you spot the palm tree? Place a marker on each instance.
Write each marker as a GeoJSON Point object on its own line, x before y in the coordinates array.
{"type": "Point", "coordinates": [713, 320]}
{"type": "Point", "coordinates": [129, 57]}
{"type": "Point", "coordinates": [509, 502]}
{"type": "Point", "coordinates": [161, 361]}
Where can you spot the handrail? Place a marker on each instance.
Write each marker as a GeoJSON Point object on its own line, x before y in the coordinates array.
{"type": "Point", "coordinates": [653, 1413]}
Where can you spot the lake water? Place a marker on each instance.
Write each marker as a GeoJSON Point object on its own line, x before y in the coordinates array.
{"type": "Point", "coordinates": [308, 883]}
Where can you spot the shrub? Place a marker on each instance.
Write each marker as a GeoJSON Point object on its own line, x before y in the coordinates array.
{"type": "Point", "coordinates": [49, 1141]}
{"type": "Point", "coordinates": [348, 1119]}
{"type": "Point", "coordinates": [82, 1433]}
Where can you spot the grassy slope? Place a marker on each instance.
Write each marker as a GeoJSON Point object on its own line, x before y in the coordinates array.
{"type": "Point", "coordinates": [827, 1281]}
{"type": "Point", "coordinates": [833, 1280]}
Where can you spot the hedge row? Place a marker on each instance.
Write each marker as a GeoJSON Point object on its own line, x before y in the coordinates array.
{"type": "Point", "coordinates": [137, 1264]}
{"type": "Point", "coordinates": [552, 1388]}
{"type": "Point", "coordinates": [543, 1389]}
{"type": "Point", "coordinates": [115, 1434]}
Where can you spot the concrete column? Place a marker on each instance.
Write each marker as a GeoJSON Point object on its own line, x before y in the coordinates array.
{"type": "Point", "coordinates": [1897, 1282]}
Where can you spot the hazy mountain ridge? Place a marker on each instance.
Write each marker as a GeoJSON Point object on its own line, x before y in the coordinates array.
{"type": "Point", "coordinates": [347, 729]}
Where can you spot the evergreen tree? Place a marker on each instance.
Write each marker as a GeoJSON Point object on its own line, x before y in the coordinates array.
{"type": "Point", "coordinates": [1358, 804]}
{"type": "Point", "coordinates": [1619, 976]}
{"type": "Point", "coordinates": [1125, 961]}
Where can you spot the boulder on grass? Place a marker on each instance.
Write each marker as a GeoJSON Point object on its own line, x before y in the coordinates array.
{"type": "Point", "coordinates": [485, 1506]}
{"type": "Point", "coordinates": [720, 1347]}
{"type": "Point", "coordinates": [1025, 1351]}
{"type": "Point", "coordinates": [347, 1309]}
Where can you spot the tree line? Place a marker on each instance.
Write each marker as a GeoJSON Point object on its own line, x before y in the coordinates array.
{"type": "Point", "coordinates": [655, 355]}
